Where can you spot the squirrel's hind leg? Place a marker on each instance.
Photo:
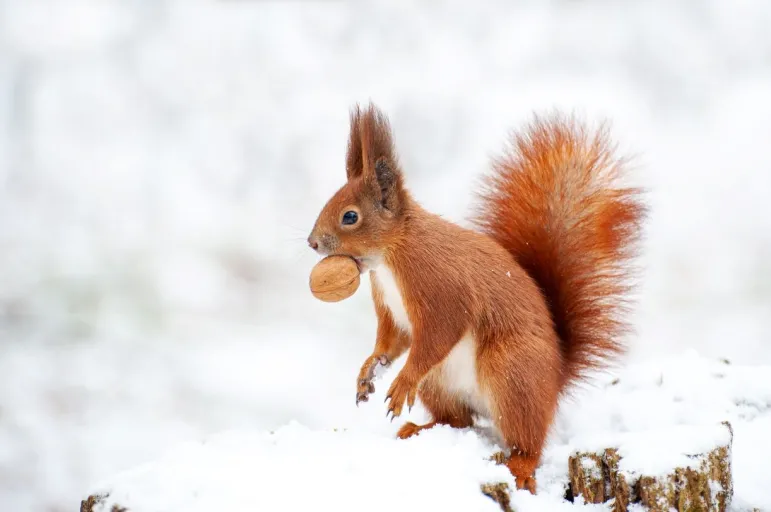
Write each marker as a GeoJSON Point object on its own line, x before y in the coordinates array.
{"type": "Point", "coordinates": [521, 377]}
{"type": "Point", "coordinates": [444, 409]}
{"type": "Point", "coordinates": [522, 463]}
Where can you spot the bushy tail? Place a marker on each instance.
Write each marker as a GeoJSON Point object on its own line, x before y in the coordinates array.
{"type": "Point", "coordinates": [554, 201]}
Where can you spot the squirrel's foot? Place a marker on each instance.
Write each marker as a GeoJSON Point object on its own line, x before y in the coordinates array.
{"type": "Point", "coordinates": [364, 388]}
{"type": "Point", "coordinates": [410, 429]}
{"type": "Point", "coordinates": [527, 482]}
{"type": "Point", "coordinates": [403, 389]}
{"type": "Point", "coordinates": [522, 467]}
{"type": "Point", "coordinates": [364, 385]}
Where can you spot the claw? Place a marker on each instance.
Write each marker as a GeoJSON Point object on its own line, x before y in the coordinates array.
{"type": "Point", "coordinates": [362, 397]}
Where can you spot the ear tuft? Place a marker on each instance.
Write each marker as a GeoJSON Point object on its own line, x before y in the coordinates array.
{"type": "Point", "coordinates": [354, 165]}
{"type": "Point", "coordinates": [372, 156]}
{"type": "Point", "coordinates": [369, 140]}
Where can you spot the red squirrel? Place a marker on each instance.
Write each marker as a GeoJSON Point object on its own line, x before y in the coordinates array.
{"type": "Point", "coordinates": [500, 320]}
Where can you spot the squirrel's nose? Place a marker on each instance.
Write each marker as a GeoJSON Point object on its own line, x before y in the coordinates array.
{"type": "Point", "coordinates": [313, 244]}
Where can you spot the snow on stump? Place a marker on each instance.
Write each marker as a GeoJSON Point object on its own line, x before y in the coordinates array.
{"type": "Point", "coordinates": [295, 468]}
{"type": "Point", "coordinates": [685, 468]}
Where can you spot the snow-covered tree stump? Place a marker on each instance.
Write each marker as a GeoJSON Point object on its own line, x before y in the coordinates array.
{"type": "Point", "coordinates": [685, 468]}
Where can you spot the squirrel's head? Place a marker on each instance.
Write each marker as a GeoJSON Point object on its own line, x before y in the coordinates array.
{"type": "Point", "coordinates": [363, 219]}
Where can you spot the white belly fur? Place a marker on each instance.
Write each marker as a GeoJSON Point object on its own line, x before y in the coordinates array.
{"type": "Point", "coordinates": [458, 371]}
{"type": "Point", "coordinates": [459, 375]}
{"type": "Point", "coordinates": [392, 297]}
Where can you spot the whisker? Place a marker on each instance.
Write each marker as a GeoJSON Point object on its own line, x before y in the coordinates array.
{"type": "Point", "coordinates": [295, 228]}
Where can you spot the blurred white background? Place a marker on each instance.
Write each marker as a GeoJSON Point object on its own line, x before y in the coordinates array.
{"type": "Point", "coordinates": [162, 162]}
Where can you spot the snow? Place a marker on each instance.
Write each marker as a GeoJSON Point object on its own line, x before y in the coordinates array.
{"type": "Point", "coordinates": [295, 468]}
{"type": "Point", "coordinates": [444, 467]}
{"type": "Point", "coordinates": [161, 164]}
{"type": "Point", "coordinates": [661, 410]}
{"type": "Point", "coordinates": [659, 451]}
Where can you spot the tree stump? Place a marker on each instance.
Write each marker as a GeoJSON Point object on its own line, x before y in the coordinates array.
{"type": "Point", "coordinates": [686, 469]}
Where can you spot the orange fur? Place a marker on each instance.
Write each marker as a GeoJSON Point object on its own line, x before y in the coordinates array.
{"type": "Point", "coordinates": [499, 320]}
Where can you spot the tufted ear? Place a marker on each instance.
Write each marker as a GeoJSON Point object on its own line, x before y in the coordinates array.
{"type": "Point", "coordinates": [372, 157]}
{"type": "Point", "coordinates": [389, 180]}
{"type": "Point", "coordinates": [354, 165]}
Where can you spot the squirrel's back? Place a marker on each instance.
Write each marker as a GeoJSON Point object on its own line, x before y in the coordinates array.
{"type": "Point", "coordinates": [554, 201]}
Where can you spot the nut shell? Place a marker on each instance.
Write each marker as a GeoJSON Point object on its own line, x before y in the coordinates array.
{"type": "Point", "coordinates": [334, 278]}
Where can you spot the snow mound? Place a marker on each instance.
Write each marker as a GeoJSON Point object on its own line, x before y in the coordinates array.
{"type": "Point", "coordinates": [296, 468]}
{"type": "Point", "coordinates": [653, 412]}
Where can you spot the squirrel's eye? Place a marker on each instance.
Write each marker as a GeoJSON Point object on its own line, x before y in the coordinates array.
{"type": "Point", "coordinates": [350, 218]}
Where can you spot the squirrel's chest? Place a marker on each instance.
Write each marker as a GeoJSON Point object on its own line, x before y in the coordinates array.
{"type": "Point", "coordinates": [392, 297]}
{"type": "Point", "coordinates": [457, 374]}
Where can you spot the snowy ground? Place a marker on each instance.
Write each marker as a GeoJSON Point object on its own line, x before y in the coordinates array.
{"type": "Point", "coordinates": [162, 162]}
{"type": "Point", "coordinates": [650, 407]}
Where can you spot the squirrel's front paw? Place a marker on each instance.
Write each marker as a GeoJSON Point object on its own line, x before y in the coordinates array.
{"type": "Point", "coordinates": [364, 385]}
{"type": "Point", "coordinates": [403, 388]}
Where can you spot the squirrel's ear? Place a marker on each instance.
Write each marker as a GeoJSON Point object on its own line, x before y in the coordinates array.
{"type": "Point", "coordinates": [354, 164]}
{"type": "Point", "coordinates": [375, 161]}
{"type": "Point", "coordinates": [389, 180]}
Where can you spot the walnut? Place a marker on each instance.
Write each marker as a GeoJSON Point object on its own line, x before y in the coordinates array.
{"type": "Point", "coordinates": [335, 278]}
